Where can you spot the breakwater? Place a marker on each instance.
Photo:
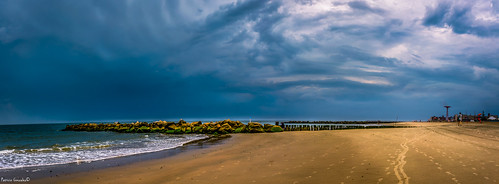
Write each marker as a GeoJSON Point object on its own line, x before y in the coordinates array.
{"type": "Point", "coordinates": [228, 126]}
{"type": "Point", "coordinates": [181, 127]}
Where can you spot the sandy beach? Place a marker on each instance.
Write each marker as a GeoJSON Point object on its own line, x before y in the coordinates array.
{"type": "Point", "coordinates": [430, 153]}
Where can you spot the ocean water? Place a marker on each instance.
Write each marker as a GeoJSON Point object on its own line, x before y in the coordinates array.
{"type": "Point", "coordinates": [46, 144]}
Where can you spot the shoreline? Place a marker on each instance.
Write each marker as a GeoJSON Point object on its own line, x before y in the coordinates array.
{"type": "Point", "coordinates": [56, 170]}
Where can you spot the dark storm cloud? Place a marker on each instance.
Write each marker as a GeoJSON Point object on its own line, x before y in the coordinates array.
{"type": "Point", "coordinates": [461, 20]}
{"type": "Point", "coordinates": [363, 6]}
{"type": "Point", "coordinates": [103, 60]}
{"type": "Point", "coordinates": [436, 16]}
{"type": "Point", "coordinates": [111, 60]}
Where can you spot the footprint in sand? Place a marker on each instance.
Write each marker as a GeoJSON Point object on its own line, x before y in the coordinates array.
{"type": "Point", "coordinates": [475, 174]}
{"type": "Point", "coordinates": [449, 173]}
{"type": "Point", "coordinates": [379, 180]}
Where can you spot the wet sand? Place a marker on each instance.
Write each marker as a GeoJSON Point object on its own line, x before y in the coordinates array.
{"type": "Point", "coordinates": [430, 153]}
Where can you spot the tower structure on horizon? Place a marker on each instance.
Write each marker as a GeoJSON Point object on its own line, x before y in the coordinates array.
{"type": "Point", "coordinates": [447, 113]}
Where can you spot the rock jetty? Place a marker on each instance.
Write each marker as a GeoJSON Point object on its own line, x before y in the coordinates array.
{"type": "Point", "coordinates": [181, 127]}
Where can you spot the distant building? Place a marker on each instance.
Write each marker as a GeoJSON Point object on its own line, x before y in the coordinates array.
{"type": "Point", "coordinates": [466, 118]}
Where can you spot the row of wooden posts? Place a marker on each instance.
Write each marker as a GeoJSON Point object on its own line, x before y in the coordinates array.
{"type": "Point", "coordinates": [317, 127]}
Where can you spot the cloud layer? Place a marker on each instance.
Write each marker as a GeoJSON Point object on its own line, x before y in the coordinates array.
{"type": "Point", "coordinates": [339, 60]}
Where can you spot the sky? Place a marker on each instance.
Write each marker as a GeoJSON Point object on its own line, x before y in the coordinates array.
{"type": "Point", "coordinates": [90, 60]}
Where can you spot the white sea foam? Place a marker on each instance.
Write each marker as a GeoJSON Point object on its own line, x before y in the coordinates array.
{"type": "Point", "coordinates": [6, 151]}
{"type": "Point", "coordinates": [91, 151]}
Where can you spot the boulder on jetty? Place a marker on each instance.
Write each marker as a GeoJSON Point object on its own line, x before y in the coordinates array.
{"type": "Point", "coordinates": [255, 127]}
{"type": "Point", "coordinates": [181, 127]}
{"type": "Point", "coordinates": [276, 128]}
